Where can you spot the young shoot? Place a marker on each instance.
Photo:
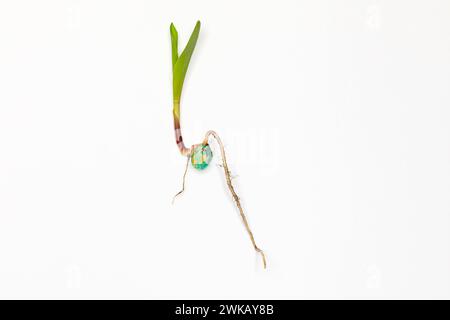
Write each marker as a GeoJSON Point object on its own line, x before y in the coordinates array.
{"type": "Point", "coordinates": [199, 155]}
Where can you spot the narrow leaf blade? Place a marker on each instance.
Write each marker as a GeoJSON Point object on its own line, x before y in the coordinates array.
{"type": "Point", "coordinates": [181, 65]}
{"type": "Point", "coordinates": [174, 38]}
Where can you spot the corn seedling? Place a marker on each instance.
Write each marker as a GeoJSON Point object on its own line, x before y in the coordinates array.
{"type": "Point", "coordinates": [199, 155]}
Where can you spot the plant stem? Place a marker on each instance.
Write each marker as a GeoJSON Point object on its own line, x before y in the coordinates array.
{"type": "Point", "coordinates": [177, 127]}
{"type": "Point", "coordinates": [233, 193]}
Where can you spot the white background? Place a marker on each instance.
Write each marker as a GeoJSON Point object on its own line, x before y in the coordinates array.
{"type": "Point", "coordinates": [335, 116]}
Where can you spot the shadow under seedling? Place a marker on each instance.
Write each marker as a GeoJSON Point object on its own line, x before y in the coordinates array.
{"type": "Point", "coordinates": [199, 155]}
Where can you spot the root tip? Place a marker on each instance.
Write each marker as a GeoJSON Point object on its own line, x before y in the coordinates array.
{"type": "Point", "coordinates": [263, 256]}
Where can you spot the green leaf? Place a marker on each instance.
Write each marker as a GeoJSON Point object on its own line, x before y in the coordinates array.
{"type": "Point", "coordinates": [181, 65]}
{"type": "Point", "coordinates": [174, 38]}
